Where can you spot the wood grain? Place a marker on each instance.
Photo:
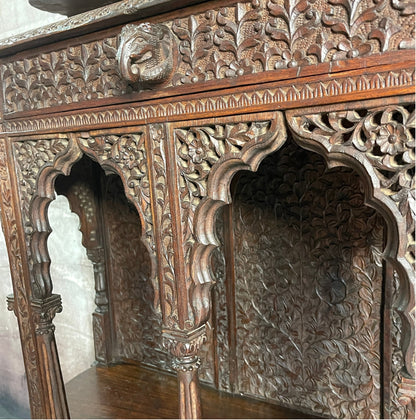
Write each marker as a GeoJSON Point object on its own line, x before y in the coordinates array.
{"type": "Point", "coordinates": [130, 391]}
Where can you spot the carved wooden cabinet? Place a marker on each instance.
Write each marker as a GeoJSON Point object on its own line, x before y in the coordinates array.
{"type": "Point", "coordinates": [244, 177]}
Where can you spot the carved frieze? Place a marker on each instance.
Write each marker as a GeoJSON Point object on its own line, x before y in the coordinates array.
{"type": "Point", "coordinates": [234, 40]}
{"type": "Point", "coordinates": [287, 95]}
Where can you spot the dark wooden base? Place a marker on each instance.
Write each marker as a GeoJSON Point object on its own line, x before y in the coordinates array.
{"type": "Point", "coordinates": [132, 391]}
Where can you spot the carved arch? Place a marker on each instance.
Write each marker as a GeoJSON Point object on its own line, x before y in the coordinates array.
{"type": "Point", "coordinates": [379, 144]}
{"type": "Point", "coordinates": [209, 154]}
{"type": "Point", "coordinates": [41, 161]}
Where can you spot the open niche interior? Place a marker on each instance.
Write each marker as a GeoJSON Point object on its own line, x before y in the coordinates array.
{"type": "Point", "coordinates": [296, 313]}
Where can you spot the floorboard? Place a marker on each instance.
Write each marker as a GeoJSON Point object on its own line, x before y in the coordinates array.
{"type": "Point", "coordinates": [132, 391]}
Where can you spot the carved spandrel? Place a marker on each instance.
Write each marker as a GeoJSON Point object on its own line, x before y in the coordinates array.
{"type": "Point", "coordinates": [39, 162]}
{"type": "Point", "coordinates": [234, 40]}
{"type": "Point", "coordinates": [207, 158]}
{"type": "Point", "coordinates": [125, 155]}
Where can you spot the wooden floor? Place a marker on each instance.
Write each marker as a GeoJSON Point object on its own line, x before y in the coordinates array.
{"type": "Point", "coordinates": [130, 391]}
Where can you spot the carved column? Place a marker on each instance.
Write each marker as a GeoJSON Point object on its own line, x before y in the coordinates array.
{"type": "Point", "coordinates": [185, 346]}
{"type": "Point", "coordinates": [82, 188]}
{"type": "Point", "coordinates": [44, 311]}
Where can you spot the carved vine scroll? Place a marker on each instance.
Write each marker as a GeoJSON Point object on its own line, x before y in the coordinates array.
{"type": "Point", "coordinates": [237, 39]}
{"type": "Point", "coordinates": [379, 143]}
{"type": "Point", "coordinates": [208, 154]}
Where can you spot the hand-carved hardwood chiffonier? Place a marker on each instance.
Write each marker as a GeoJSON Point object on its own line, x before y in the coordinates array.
{"type": "Point", "coordinates": [243, 173]}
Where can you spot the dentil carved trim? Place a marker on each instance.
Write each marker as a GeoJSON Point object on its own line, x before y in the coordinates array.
{"type": "Point", "coordinates": [286, 95]}
{"type": "Point", "coordinates": [208, 155]}
{"type": "Point", "coordinates": [379, 144]}
{"type": "Point", "coordinates": [145, 53]}
{"type": "Point", "coordinates": [125, 154]}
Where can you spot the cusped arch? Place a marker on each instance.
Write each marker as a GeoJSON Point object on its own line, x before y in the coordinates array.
{"type": "Point", "coordinates": [378, 144]}
{"type": "Point", "coordinates": [39, 194]}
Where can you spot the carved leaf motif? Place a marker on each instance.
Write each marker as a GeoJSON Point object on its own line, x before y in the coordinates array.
{"type": "Point", "coordinates": [302, 337]}
{"type": "Point", "coordinates": [293, 22]}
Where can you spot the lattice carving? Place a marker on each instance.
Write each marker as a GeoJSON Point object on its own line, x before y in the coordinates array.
{"type": "Point", "coordinates": [237, 39]}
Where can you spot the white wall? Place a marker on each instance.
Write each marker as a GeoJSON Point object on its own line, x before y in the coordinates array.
{"type": "Point", "coordinates": [17, 16]}
{"type": "Point", "coordinates": [71, 271]}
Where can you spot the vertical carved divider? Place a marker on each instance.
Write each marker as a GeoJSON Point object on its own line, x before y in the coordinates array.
{"type": "Point", "coordinates": [203, 157]}
{"type": "Point", "coordinates": [39, 161]}
{"type": "Point", "coordinates": [19, 302]}
{"type": "Point", "coordinates": [378, 143]}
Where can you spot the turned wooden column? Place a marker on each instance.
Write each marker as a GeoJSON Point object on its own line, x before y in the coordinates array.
{"type": "Point", "coordinates": [184, 347]}
{"type": "Point", "coordinates": [43, 312]}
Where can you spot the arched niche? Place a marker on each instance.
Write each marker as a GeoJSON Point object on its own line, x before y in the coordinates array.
{"type": "Point", "coordinates": [50, 161]}
{"type": "Point", "coordinates": [376, 143]}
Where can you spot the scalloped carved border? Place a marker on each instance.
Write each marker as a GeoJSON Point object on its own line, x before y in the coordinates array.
{"type": "Point", "coordinates": [286, 95]}
{"type": "Point", "coordinates": [379, 144]}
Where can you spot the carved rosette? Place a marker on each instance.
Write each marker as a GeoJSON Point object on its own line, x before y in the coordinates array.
{"type": "Point", "coordinates": [379, 144]}
{"type": "Point", "coordinates": [207, 158]}
{"type": "Point", "coordinates": [125, 155]}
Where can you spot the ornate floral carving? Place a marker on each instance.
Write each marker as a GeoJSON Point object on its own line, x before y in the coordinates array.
{"type": "Point", "coordinates": [39, 162]}
{"type": "Point", "coordinates": [20, 304]}
{"type": "Point", "coordinates": [380, 143]}
{"type": "Point", "coordinates": [162, 206]}
{"type": "Point", "coordinates": [243, 38]}
{"type": "Point", "coordinates": [126, 156]}
{"type": "Point", "coordinates": [308, 287]}
{"type": "Point", "coordinates": [78, 73]}
{"type": "Point", "coordinates": [207, 157]}
{"type": "Point", "coordinates": [287, 95]}
{"type": "Point", "coordinates": [145, 53]}
{"type": "Point", "coordinates": [137, 323]}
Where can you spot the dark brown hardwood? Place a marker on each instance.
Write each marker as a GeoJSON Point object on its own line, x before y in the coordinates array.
{"type": "Point", "coordinates": [244, 175]}
{"type": "Point", "coordinates": [131, 391]}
